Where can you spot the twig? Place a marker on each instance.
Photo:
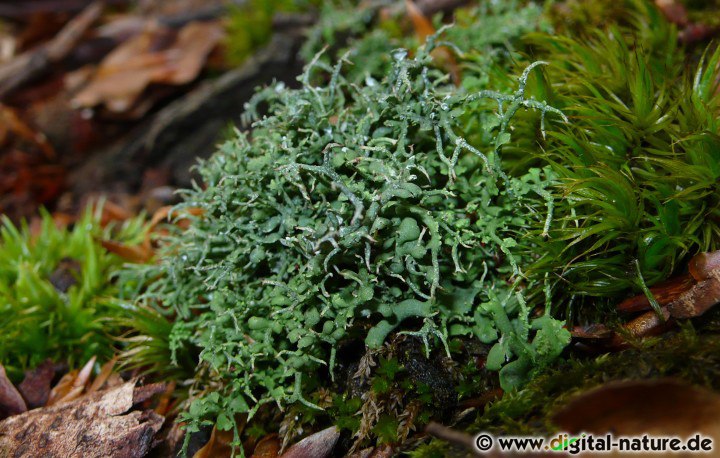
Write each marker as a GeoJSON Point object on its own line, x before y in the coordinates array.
{"type": "Point", "coordinates": [453, 436]}
{"type": "Point", "coordinates": [33, 63]}
{"type": "Point", "coordinates": [23, 10]}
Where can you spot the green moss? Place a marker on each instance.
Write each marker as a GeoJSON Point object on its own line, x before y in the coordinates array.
{"type": "Point", "coordinates": [249, 25]}
{"type": "Point", "coordinates": [637, 165]}
{"type": "Point", "coordinates": [58, 298]}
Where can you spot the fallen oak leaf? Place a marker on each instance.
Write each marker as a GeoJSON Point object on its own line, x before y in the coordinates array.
{"type": "Point", "coordinates": [11, 402]}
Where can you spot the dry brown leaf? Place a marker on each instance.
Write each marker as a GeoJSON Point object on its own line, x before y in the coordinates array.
{"type": "Point", "coordinates": [660, 407]}
{"type": "Point", "coordinates": [318, 445]}
{"type": "Point", "coordinates": [132, 253]}
{"type": "Point", "coordinates": [62, 387]}
{"type": "Point", "coordinates": [218, 446]}
{"type": "Point", "coordinates": [268, 447]}
{"type": "Point", "coordinates": [592, 331]}
{"type": "Point", "coordinates": [78, 384]}
{"type": "Point", "coordinates": [102, 377]}
{"type": "Point", "coordinates": [35, 388]}
{"type": "Point", "coordinates": [165, 212]}
{"type": "Point", "coordinates": [163, 404]}
{"type": "Point", "coordinates": [71, 385]}
{"type": "Point", "coordinates": [10, 123]}
{"type": "Point", "coordinates": [422, 25]}
{"type": "Point", "coordinates": [125, 73]}
{"type": "Point", "coordinates": [97, 425]}
{"type": "Point", "coordinates": [111, 211]}
{"type": "Point", "coordinates": [194, 44]}
{"type": "Point", "coordinates": [674, 11]}
{"type": "Point", "coordinates": [11, 402]}
{"type": "Point", "coordinates": [664, 293]}
{"type": "Point", "coordinates": [423, 29]}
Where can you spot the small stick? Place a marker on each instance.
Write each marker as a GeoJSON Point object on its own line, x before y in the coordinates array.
{"type": "Point", "coordinates": [35, 62]}
{"type": "Point", "coordinates": [453, 436]}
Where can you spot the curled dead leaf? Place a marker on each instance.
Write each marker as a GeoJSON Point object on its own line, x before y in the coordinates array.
{"type": "Point", "coordinates": [103, 376]}
{"type": "Point", "coordinates": [62, 388]}
{"type": "Point", "coordinates": [70, 388]}
{"type": "Point", "coordinates": [219, 445]}
{"type": "Point", "coordinates": [11, 402]}
{"type": "Point", "coordinates": [268, 447]}
{"type": "Point", "coordinates": [35, 387]}
{"type": "Point", "coordinates": [133, 253]}
{"type": "Point", "coordinates": [423, 29]}
{"type": "Point", "coordinates": [661, 407]}
{"type": "Point", "coordinates": [318, 445]}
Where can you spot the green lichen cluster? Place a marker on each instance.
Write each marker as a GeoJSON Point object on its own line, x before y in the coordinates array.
{"type": "Point", "coordinates": [368, 33]}
{"type": "Point", "coordinates": [382, 200]}
{"type": "Point", "coordinates": [353, 211]}
{"type": "Point", "coordinates": [58, 297]}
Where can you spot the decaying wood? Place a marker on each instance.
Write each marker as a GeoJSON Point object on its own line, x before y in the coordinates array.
{"type": "Point", "coordinates": [34, 63]}
{"type": "Point", "coordinates": [705, 266]}
{"type": "Point", "coordinates": [97, 425]}
{"type": "Point", "coordinates": [697, 300]}
{"type": "Point", "coordinates": [664, 293]}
